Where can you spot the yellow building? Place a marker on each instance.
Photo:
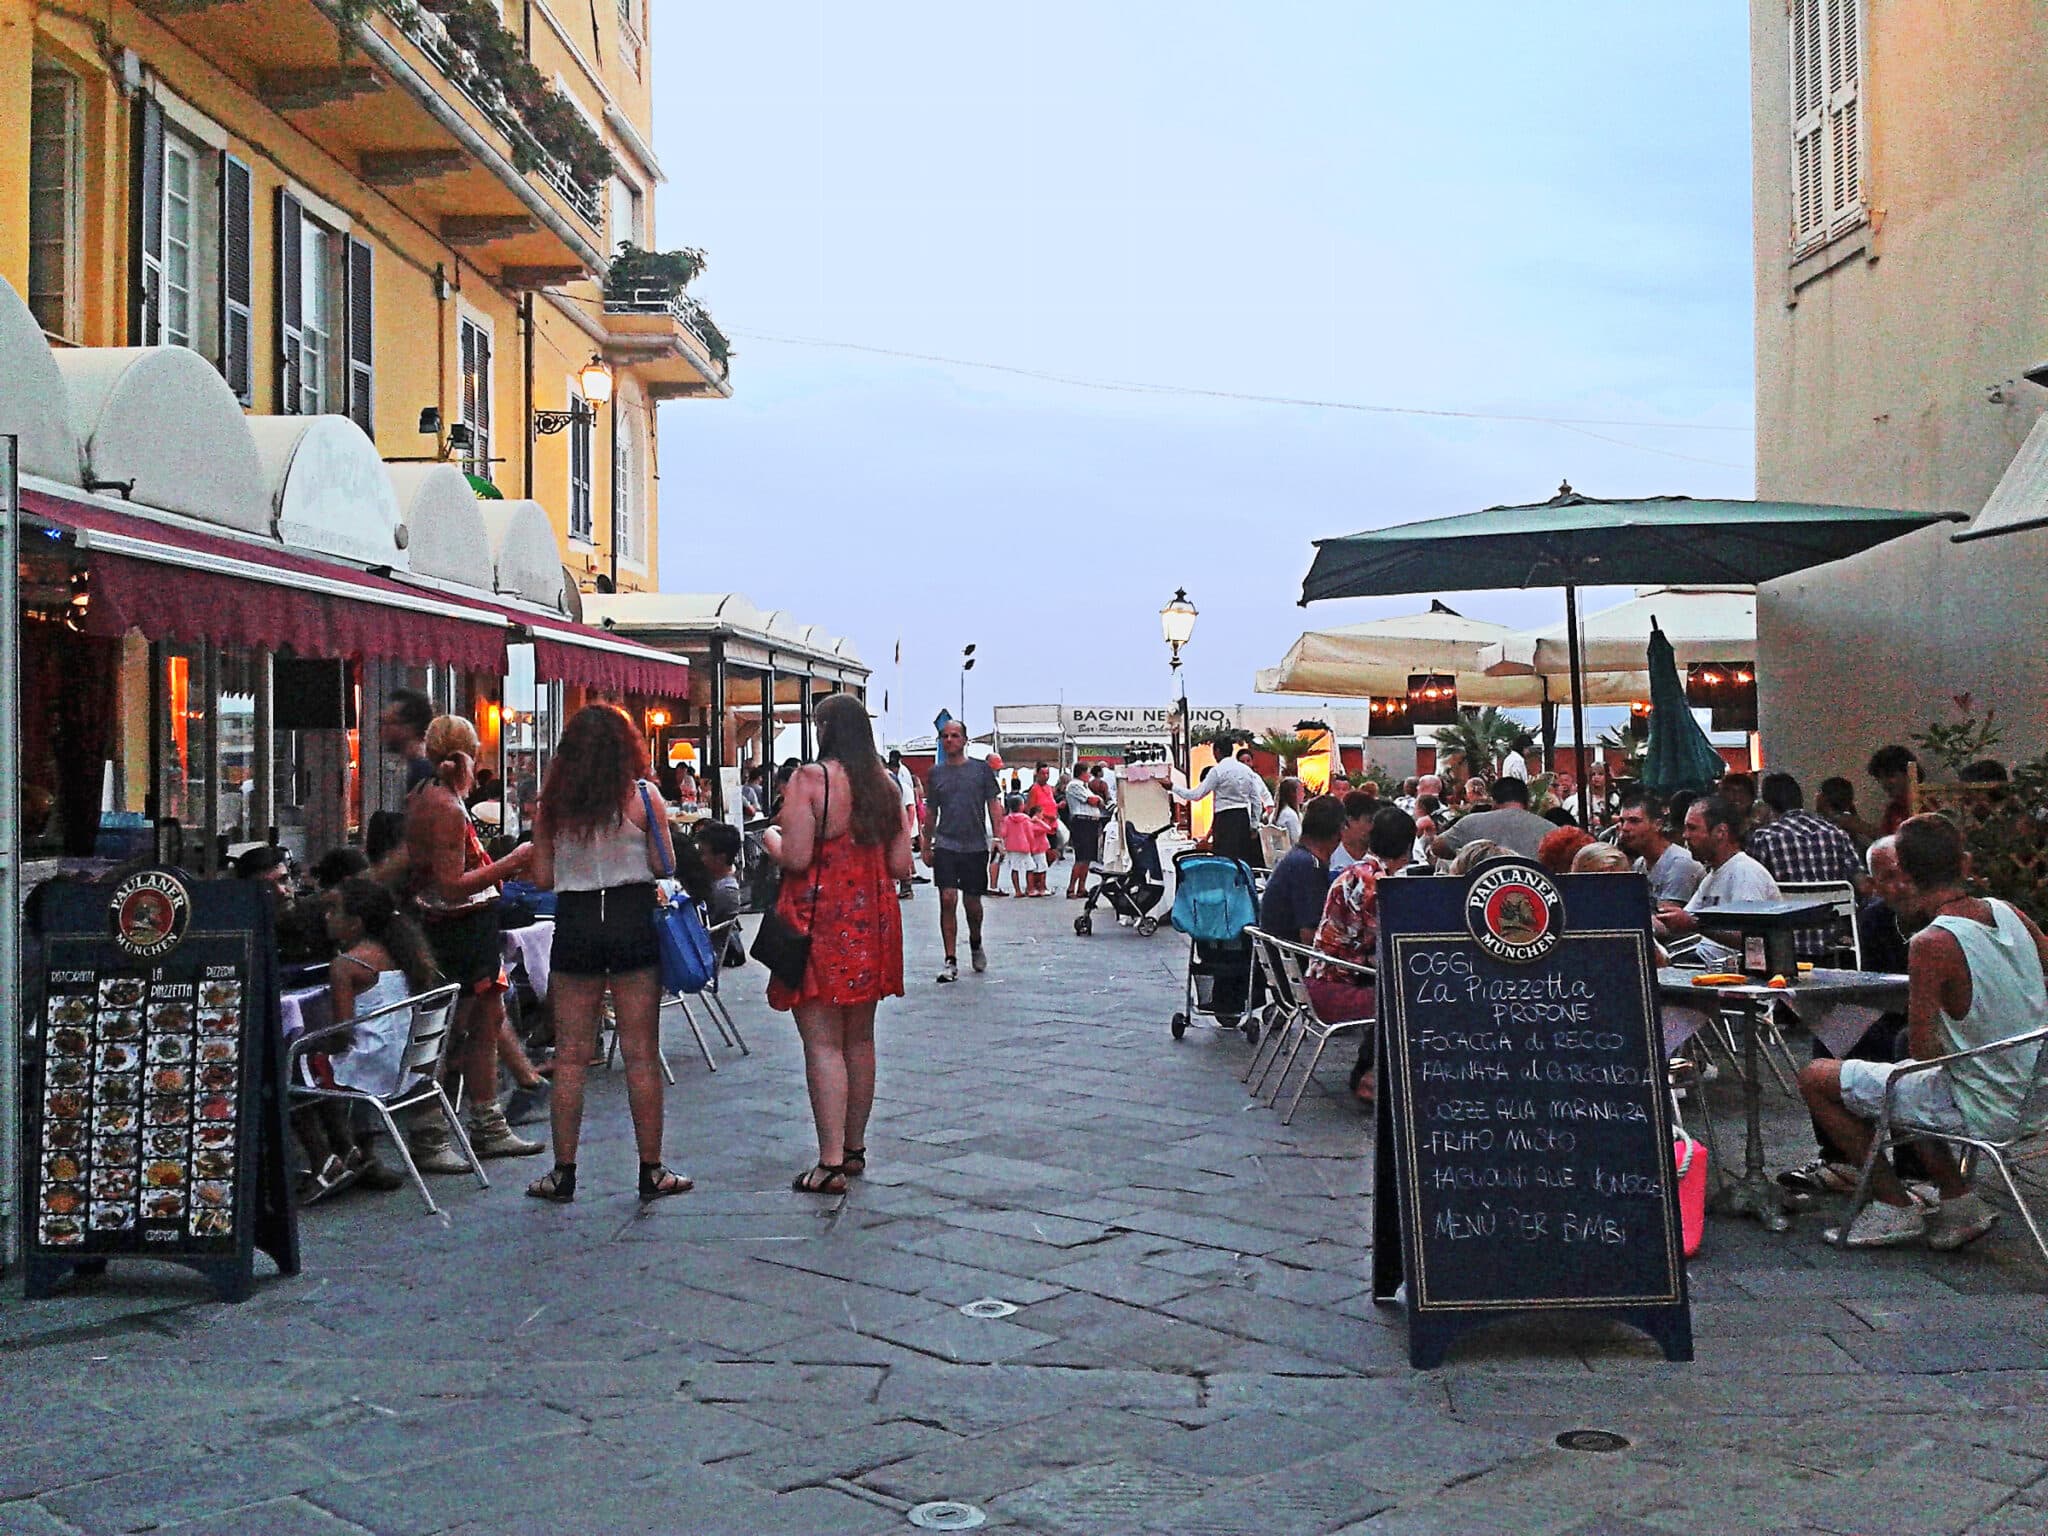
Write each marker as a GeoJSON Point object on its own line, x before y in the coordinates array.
{"type": "Point", "coordinates": [402, 211]}
{"type": "Point", "coordinates": [1901, 173]}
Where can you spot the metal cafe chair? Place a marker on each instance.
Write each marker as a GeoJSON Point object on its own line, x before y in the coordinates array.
{"type": "Point", "coordinates": [722, 938]}
{"type": "Point", "coordinates": [418, 1083]}
{"type": "Point", "coordinates": [1278, 1014]}
{"type": "Point", "coordinates": [2023, 1141]}
{"type": "Point", "coordinates": [1312, 1026]}
{"type": "Point", "coordinates": [608, 1022]}
{"type": "Point", "coordinates": [1847, 941]}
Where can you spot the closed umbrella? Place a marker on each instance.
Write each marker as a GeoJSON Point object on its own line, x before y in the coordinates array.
{"type": "Point", "coordinates": [1573, 541]}
{"type": "Point", "coordinates": [1679, 755]}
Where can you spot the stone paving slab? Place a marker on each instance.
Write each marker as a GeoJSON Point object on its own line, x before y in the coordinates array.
{"type": "Point", "coordinates": [1195, 1350]}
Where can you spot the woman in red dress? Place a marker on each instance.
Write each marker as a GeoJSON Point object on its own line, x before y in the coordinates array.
{"type": "Point", "coordinates": [843, 843]}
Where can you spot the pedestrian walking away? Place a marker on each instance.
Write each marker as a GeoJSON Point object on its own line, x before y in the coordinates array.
{"type": "Point", "coordinates": [842, 845]}
{"type": "Point", "coordinates": [456, 890]}
{"type": "Point", "coordinates": [1084, 819]}
{"type": "Point", "coordinates": [906, 784]}
{"type": "Point", "coordinates": [596, 844]}
{"type": "Point", "coordinates": [967, 817]}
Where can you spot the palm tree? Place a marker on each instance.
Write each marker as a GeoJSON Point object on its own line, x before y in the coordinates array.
{"type": "Point", "coordinates": [1481, 737]}
{"type": "Point", "coordinates": [1288, 747]}
{"type": "Point", "coordinates": [1615, 739]}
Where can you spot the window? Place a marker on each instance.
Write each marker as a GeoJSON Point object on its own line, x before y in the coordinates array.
{"type": "Point", "coordinates": [1827, 119]}
{"type": "Point", "coordinates": [324, 310]}
{"type": "Point", "coordinates": [628, 216]}
{"type": "Point", "coordinates": [632, 529]}
{"type": "Point", "coordinates": [181, 201]}
{"type": "Point", "coordinates": [56, 154]}
{"type": "Point", "coordinates": [181, 235]}
{"type": "Point", "coordinates": [581, 524]}
{"type": "Point", "coordinates": [476, 394]}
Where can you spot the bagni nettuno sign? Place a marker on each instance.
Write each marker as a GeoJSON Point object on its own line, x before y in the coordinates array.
{"type": "Point", "coordinates": [1524, 1158]}
{"type": "Point", "coordinates": [1078, 721]}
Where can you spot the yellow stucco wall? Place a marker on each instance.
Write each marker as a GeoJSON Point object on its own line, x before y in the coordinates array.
{"type": "Point", "coordinates": [1893, 378]}
{"type": "Point", "coordinates": [416, 358]}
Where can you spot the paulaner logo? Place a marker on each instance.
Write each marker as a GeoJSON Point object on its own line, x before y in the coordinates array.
{"type": "Point", "coordinates": [1514, 912]}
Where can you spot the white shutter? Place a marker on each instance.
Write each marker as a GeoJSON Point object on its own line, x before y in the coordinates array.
{"type": "Point", "coordinates": [1845, 108]}
{"type": "Point", "coordinates": [1809, 122]}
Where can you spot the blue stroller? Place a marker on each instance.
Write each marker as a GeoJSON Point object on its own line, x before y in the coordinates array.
{"type": "Point", "coordinates": [1133, 894]}
{"type": "Point", "coordinates": [1215, 900]}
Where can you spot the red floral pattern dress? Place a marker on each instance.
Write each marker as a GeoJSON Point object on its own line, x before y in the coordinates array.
{"type": "Point", "coordinates": [857, 947]}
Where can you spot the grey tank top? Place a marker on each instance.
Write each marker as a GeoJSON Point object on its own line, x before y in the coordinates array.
{"type": "Point", "coordinates": [608, 857]}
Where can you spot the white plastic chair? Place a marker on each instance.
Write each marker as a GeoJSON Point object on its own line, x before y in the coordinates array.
{"type": "Point", "coordinates": [433, 1013]}
{"type": "Point", "coordinates": [2029, 1124]}
{"type": "Point", "coordinates": [1312, 1025]}
{"type": "Point", "coordinates": [1841, 896]}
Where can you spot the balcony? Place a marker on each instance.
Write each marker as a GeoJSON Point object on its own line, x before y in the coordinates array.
{"type": "Point", "coordinates": [655, 328]}
{"type": "Point", "coordinates": [462, 137]}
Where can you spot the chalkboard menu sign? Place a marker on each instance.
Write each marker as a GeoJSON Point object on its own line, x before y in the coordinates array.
{"type": "Point", "coordinates": [154, 1113]}
{"type": "Point", "coordinates": [1524, 1146]}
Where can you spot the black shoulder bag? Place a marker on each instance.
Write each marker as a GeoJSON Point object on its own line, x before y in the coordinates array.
{"type": "Point", "coordinates": [779, 944]}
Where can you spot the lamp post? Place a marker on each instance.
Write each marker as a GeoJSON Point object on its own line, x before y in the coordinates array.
{"type": "Point", "coordinates": [1177, 624]}
{"type": "Point", "coordinates": [966, 666]}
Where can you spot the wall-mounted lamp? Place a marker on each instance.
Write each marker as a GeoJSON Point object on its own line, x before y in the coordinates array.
{"type": "Point", "coordinates": [430, 421]}
{"type": "Point", "coordinates": [594, 381]}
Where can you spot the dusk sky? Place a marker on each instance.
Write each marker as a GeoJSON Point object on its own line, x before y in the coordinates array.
{"type": "Point", "coordinates": [1511, 209]}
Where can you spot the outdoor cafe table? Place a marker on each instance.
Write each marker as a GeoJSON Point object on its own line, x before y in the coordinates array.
{"type": "Point", "coordinates": [1837, 1006]}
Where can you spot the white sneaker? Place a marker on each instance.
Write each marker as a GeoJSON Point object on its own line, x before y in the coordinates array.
{"type": "Point", "coordinates": [1879, 1225]}
{"type": "Point", "coordinates": [1956, 1223]}
{"type": "Point", "coordinates": [950, 971]}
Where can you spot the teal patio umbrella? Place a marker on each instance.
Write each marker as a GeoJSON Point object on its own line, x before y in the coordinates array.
{"type": "Point", "coordinates": [1679, 755]}
{"type": "Point", "coordinates": [1574, 541]}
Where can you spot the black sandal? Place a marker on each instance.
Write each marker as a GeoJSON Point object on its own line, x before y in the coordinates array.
{"type": "Point", "coordinates": [810, 1182]}
{"type": "Point", "coordinates": [854, 1155]}
{"type": "Point", "coordinates": [557, 1186]}
{"type": "Point", "coordinates": [660, 1181]}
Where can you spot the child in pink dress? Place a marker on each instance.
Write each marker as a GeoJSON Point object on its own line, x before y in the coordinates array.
{"type": "Point", "coordinates": [1017, 839]}
{"type": "Point", "coordinates": [1041, 845]}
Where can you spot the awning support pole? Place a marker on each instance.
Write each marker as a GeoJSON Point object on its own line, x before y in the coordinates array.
{"type": "Point", "coordinates": [1571, 624]}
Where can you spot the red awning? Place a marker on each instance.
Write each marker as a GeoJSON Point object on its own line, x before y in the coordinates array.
{"type": "Point", "coordinates": [176, 583]}
{"type": "Point", "coordinates": [565, 651]}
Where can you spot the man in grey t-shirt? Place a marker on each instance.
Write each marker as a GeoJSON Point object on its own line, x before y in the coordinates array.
{"type": "Point", "coordinates": [1673, 873]}
{"type": "Point", "coordinates": [966, 805]}
{"type": "Point", "coordinates": [1510, 823]}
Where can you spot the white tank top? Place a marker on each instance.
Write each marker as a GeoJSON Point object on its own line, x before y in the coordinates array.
{"type": "Point", "coordinates": [608, 857]}
{"type": "Point", "coordinates": [2007, 997]}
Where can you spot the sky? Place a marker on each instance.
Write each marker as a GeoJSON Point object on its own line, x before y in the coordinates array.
{"type": "Point", "coordinates": [1508, 209]}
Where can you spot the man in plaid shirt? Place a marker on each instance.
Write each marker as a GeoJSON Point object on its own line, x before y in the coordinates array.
{"type": "Point", "coordinates": [1796, 845]}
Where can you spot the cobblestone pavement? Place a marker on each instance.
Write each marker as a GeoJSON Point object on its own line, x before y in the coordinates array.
{"type": "Point", "coordinates": [1192, 1350]}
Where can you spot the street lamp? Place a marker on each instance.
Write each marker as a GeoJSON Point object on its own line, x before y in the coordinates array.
{"type": "Point", "coordinates": [1177, 624]}
{"type": "Point", "coordinates": [966, 666]}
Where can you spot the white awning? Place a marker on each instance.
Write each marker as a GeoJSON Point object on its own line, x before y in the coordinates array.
{"type": "Point", "coordinates": [328, 489]}
{"type": "Point", "coordinates": [33, 406]}
{"type": "Point", "coordinates": [1702, 624]}
{"type": "Point", "coordinates": [2019, 501]}
{"type": "Point", "coordinates": [445, 533]}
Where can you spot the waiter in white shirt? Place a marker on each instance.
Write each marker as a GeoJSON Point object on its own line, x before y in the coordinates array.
{"type": "Point", "coordinates": [1237, 799]}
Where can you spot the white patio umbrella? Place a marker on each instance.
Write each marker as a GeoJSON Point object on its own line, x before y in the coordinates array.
{"type": "Point", "coordinates": [1702, 623]}
{"type": "Point", "coordinates": [1376, 659]}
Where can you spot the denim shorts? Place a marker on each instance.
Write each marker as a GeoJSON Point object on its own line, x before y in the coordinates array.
{"type": "Point", "coordinates": [605, 933]}
{"type": "Point", "coordinates": [1923, 1099]}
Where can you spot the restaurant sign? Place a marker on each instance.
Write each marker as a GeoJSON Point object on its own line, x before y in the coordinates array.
{"type": "Point", "coordinates": [153, 1089]}
{"type": "Point", "coordinates": [1524, 1158]}
{"type": "Point", "coordinates": [1119, 723]}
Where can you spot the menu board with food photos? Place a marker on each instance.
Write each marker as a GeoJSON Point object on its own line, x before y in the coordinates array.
{"type": "Point", "coordinates": [154, 1114]}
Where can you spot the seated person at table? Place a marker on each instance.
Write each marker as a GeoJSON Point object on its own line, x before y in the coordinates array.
{"type": "Point", "coordinates": [1481, 850]}
{"type": "Point", "coordinates": [1510, 823]}
{"type": "Point", "coordinates": [1600, 859]}
{"type": "Point", "coordinates": [1796, 845]}
{"type": "Point", "coordinates": [1359, 810]}
{"type": "Point", "coordinates": [1292, 904]}
{"type": "Point", "coordinates": [1713, 834]}
{"type": "Point", "coordinates": [718, 846]}
{"type": "Point", "coordinates": [1673, 873]}
{"type": "Point", "coordinates": [1350, 931]}
{"type": "Point", "coordinates": [381, 957]}
{"type": "Point", "coordinates": [339, 864]}
{"type": "Point", "coordinates": [1556, 851]}
{"type": "Point", "coordinates": [1976, 978]}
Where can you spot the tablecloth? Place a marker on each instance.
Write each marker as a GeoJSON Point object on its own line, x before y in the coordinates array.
{"type": "Point", "coordinates": [530, 947]}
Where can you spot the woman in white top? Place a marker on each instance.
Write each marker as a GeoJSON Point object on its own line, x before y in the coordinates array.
{"type": "Point", "coordinates": [594, 844]}
{"type": "Point", "coordinates": [1287, 809]}
{"type": "Point", "coordinates": [1237, 799]}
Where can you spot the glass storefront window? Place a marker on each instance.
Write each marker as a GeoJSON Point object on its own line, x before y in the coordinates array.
{"type": "Point", "coordinates": [184, 758]}
{"type": "Point", "coordinates": [239, 818]}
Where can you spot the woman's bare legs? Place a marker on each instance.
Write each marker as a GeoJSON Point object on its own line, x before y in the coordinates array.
{"type": "Point", "coordinates": [577, 1000]}
{"type": "Point", "coordinates": [859, 1024]}
{"type": "Point", "coordinates": [637, 999]}
{"type": "Point", "coordinates": [822, 1029]}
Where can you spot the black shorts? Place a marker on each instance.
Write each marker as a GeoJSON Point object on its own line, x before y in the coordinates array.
{"type": "Point", "coordinates": [1087, 839]}
{"type": "Point", "coordinates": [955, 870]}
{"type": "Point", "coordinates": [605, 933]}
{"type": "Point", "coordinates": [468, 949]}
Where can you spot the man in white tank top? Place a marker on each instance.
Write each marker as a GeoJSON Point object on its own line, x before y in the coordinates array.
{"type": "Point", "coordinates": [1977, 969]}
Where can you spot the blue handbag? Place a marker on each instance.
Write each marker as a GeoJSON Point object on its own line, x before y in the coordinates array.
{"type": "Point", "coordinates": [687, 961]}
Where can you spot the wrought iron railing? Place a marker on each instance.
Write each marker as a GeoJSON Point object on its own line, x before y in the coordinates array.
{"type": "Point", "coordinates": [660, 298]}
{"type": "Point", "coordinates": [461, 68]}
